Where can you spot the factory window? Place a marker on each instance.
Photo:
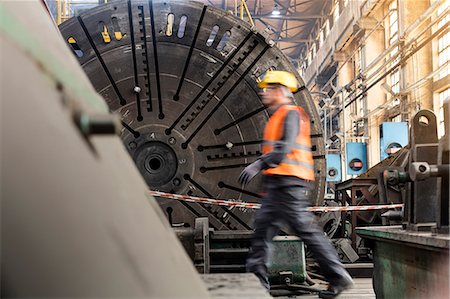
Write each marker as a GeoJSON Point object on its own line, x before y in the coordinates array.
{"type": "Point", "coordinates": [395, 86]}
{"type": "Point", "coordinates": [443, 96]}
{"type": "Point", "coordinates": [336, 11]}
{"type": "Point", "coordinates": [359, 61]}
{"type": "Point", "coordinates": [393, 23]}
{"type": "Point", "coordinates": [443, 42]}
{"type": "Point", "coordinates": [393, 38]}
{"type": "Point", "coordinates": [395, 81]}
{"type": "Point", "coordinates": [361, 108]}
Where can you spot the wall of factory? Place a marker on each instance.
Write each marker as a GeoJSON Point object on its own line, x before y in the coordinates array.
{"type": "Point", "coordinates": [396, 48]}
{"type": "Point", "coordinates": [421, 65]}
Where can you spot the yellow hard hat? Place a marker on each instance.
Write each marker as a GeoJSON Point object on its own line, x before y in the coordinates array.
{"type": "Point", "coordinates": [279, 77]}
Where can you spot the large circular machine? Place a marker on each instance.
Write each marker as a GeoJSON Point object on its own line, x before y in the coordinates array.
{"type": "Point", "coordinates": [183, 77]}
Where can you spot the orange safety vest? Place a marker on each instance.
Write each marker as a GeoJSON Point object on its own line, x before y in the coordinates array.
{"type": "Point", "coordinates": [299, 162]}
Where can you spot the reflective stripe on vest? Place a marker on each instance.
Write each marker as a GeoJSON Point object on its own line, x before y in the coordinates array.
{"type": "Point", "coordinates": [296, 145]}
{"type": "Point", "coordinates": [299, 161]}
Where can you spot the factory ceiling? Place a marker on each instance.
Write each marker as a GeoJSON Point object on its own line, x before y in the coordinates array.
{"type": "Point", "coordinates": [292, 28]}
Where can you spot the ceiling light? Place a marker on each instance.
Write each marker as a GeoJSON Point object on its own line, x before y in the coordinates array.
{"type": "Point", "coordinates": [276, 11]}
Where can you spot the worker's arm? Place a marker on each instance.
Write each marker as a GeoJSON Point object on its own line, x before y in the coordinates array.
{"type": "Point", "coordinates": [291, 129]}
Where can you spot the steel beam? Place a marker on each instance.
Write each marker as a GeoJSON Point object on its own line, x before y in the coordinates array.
{"type": "Point", "coordinates": [293, 16]}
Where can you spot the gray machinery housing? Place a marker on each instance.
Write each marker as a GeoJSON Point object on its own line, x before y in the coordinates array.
{"type": "Point", "coordinates": [75, 217]}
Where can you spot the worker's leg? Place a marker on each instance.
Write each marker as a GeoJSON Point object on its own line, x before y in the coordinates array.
{"type": "Point", "coordinates": [265, 230]}
{"type": "Point", "coordinates": [294, 201]}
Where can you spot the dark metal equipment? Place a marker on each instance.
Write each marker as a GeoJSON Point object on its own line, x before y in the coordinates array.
{"type": "Point", "coordinates": [412, 260]}
{"type": "Point", "coordinates": [183, 78]}
{"type": "Point", "coordinates": [381, 184]}
{"type": "Point", "coordinates": [420, 206]}
{"type": "Point", "coordinates": [288, 262]}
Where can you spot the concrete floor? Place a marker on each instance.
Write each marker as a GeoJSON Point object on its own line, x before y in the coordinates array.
{"type": "Point", "coordinates": [363, 289]}
{"type": "Point", "coordinates": [246, 285]}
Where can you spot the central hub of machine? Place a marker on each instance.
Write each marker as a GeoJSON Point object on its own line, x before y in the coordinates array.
{"type": "Point", "coordinates": [163, 163]}
{"type": "Point", "coordinates": [157, 162]}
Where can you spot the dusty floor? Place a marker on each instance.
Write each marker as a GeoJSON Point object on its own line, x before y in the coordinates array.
{"type": "Point", "coordinates": [363, 289]}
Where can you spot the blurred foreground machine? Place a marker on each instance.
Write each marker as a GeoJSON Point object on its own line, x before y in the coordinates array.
{"type": "Point", "coordinates": [183, 78]}
{"type": "Point", "coordinates": [75, 218]}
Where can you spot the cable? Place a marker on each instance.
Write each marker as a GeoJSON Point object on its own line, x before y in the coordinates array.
{"type": "Point", "coordinates": [393, 68]}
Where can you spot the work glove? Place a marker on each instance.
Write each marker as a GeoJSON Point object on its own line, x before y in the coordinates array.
{"type": "Point", "coordinates": [250, 172]}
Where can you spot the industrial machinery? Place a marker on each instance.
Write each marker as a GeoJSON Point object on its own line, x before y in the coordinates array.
{"type": "Point", "coordinates": [370, 188]}
{"type": "Point", "coordinates": [416, 253]}
{"type": "Point", "coordinates": [183, 77]}
{"type": "Point", "coordinates": [356, 158]}
{"type": "Point", "coordinates": [393, 136]}
{"type": "Point", "coordinates": [76, 220]}
{"type": "Point", "coordinates": [334, 169]}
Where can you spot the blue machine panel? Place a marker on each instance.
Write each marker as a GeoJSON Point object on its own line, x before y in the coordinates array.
{"type": "Point", "coordinates": [334, 169]}
{"type": "Point", "coordinates": [356, 158]}
{"type": "Point", "coordinates": [393, 136]}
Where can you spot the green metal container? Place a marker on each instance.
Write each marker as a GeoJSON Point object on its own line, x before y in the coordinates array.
{"type": "Point", "coordinates": [288, 263]}
{"type": "Point", "coordinates": [408, 264]}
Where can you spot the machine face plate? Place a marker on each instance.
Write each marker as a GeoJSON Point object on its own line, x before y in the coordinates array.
{"type": "Point", "coordinates": [183, 77]}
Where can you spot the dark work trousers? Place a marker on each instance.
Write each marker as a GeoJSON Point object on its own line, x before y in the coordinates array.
{"type": "Point", "coordinates": [287, 204]}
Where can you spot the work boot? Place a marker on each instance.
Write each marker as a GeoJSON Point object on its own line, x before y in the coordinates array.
{"type": "Point", "coordinates": [333, 291]}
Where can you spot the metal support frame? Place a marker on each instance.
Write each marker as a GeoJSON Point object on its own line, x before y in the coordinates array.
{"type": "Point", "coordinates": [201, 245]}
{"type": "Point", "coordinates": [243, 9]}
{"type": "Point", "coordinates": [373, 187]}
{"type": "Point", "coordinates": [62, 11]}
{"type": "Point", "coordinates": [363, 191]}
{"type": "Point", "coordinates": [417, 253]}
{"type": "Point", "coordinates": [420, 206]}
{"type": "Point", "coordinates": [442, 221]}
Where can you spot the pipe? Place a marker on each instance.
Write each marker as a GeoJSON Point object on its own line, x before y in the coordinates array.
{"type": "Point", "coordinates": [399, 53]}
{"type": "Point", "coordinates": [241, 10]}
{"type": "Point", "coordinates": [248, 13]}
{"type": "Point", "coordinates": [58, 12]}
{"type": "Point", "coordinates": [408, 30]}
{"type": "Point", "coordinates": [402, 61]}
